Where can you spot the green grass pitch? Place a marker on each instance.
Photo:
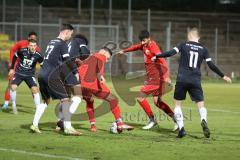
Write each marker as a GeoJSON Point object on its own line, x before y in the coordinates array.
{"type": "Point", "coordinates": [222, 102]}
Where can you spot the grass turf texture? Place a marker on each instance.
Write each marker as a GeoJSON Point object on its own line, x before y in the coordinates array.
{"type": "Point", "coordinates": [159, 143]}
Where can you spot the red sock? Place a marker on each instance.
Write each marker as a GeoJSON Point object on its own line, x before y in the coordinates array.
{"type": "Point", "coordinates": [7, 95]}
{"type": "Point", "coordinates": [90, 111]}
{"type": "Point", "coordinates": [146, 107]}
{"type": "Point", "coordinates": [163, 106]}
{"type": "Point", "coordinates": [115, 109]}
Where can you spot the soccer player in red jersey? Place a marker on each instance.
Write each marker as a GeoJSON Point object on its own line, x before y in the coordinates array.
{"type": "Point", "coordinates": [93, 83]}
{"type": "Point", "coordinates": [17, 46]}
{"type": "Point", "coordinates": [157, 75]}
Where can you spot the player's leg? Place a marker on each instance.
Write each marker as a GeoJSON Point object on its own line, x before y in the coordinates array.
{"type": "Point", "coordinates": [90, 112]}
{"type": "Point", "coordinates": [141, 99]}
{"type": "Point", "coordinates": [113, 102]}
{"type": "Point", "coordinates": [76, 98]}
{"type": "Point", "coordinates": [67, 114]}
{"type": "Point", "coordinates": [179, 95]}
{"type": "Point", "coordinates": [17, 80]}
{"type": "Point", "coordinates": [13, 92]}
{"type": "Point", "coordinates": [196, 94]}
{"type": "Point", "coordinates": [163, 106]}
{"type": "Point", "coordinates": [40, 107]}
{"type": "Point", "coordinates": [203, 115]}
{"type": "Point", "coordinates": [7, 96]}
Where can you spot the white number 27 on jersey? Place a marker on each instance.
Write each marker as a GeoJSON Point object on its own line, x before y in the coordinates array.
{"type": "Point", "coordinates": [193, 59]}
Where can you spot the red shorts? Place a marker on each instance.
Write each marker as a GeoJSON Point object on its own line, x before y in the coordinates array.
{"type": "Point", "coordinates": [156, 90]}
{"type": "Point", "coordinates": [102, 92]}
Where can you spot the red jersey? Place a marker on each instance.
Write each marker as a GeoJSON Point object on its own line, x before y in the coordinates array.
{"type": "Point", "coordinates": [18, 45]}
{"type": "Point", "coordinates": [155, 71]}
{"type": "Point", "coordinates": [91, 69]}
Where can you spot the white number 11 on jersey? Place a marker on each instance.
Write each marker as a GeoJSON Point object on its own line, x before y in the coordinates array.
{"type": "Point", "coordinates": [193, 59]}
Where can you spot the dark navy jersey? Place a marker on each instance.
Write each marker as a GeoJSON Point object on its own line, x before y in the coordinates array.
{"type": "Point", "coordinates": [191, 58]}
{"type": "Point", "coordinates": [56, 53]}
{"type": "Point", "coordinates": [27, 62]}
{"type": "Point", "coordinates": [78, 49]}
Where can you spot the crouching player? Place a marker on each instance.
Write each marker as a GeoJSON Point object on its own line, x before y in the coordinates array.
{"type": "Point", "coordinates": [25, 71]}
{"type": "Point", "coordinates": [93, 83]}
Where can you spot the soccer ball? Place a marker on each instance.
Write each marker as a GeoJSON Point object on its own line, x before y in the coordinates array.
{"type": "Point", "coordinates": [113, 128]}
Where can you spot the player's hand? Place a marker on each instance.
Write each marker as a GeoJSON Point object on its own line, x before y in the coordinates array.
{"type": "Point", "coordinates": [78, 62]}
{"type": "Point", "coordinates": [153, 59]}
{"type": "Point", "coordinates": [121, 52]}
{"type": "Point", "coordinates": [227, 79]}
{"type": "Point", "coordinates": [11, 72]}
{"type": "Point", "coordinates": [168, 80]}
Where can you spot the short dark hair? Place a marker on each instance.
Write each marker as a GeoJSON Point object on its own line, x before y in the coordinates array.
{"type": "Point", "coordinates": [32, 33]}
{"type": "Point", "coordinates": [66, 26]}
{"type": "Point", "coordinates": [81, 36]}
{"type": "Point", "coordinates": [143, 34]}
{"type": "Point", "coordinates": [108, 50]}
{"type": "Point", "coordinates": [32, 41]}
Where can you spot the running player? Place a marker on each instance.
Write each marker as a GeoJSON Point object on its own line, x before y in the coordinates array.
{"type": "Point", "coordinates": [157, 76]}
{"type": "Point", "coordinates": [189, 77]}
{"type": "Point", "coordinates": [51, 81]}
{"type": "Point", "coordinates": [19, 45]}
{"type": "Point", "coordinates": [25, 71]}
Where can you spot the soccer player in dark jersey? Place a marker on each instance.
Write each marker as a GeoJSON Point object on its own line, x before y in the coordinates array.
{"type": "Point", "coordinates": [93, 83]}
{"type": "Point", "coordinates": [51, 80]}
{"type": "Point", "coordinates": [25, 71]}
{"type": "Point", "coordinates": [15, 48]}
{"type": "Point", "coordinates": [78, 51]}
{"type": "Point", "coordinates": [157, 76]}
{"type": "Point", "coordinates": [189, 77]}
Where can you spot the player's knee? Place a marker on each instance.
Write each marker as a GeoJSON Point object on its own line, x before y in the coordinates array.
{"type": "Point", "coordinates": [34, 90]}
{"type": "Point", "coordinates": [140, 99]}
{"type": "Point", "coordinates": [13, 87]}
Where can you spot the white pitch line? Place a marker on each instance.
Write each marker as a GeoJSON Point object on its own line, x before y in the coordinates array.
{"type": "Point", "coordinates": [39, 154]}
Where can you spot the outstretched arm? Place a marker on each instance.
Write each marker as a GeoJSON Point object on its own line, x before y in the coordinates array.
{"type": "Point", "coordinates": [215, 69]}
{"type": "Point", "coordinates": [170, 53]}
{"type": "Point", "coordinates": [130, 49]}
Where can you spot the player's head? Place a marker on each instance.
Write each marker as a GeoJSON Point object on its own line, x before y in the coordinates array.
{"type": "Point", "coordinates": [81, 36]}
{"type": "Point", "coordinates": [193, 34]}
{"type": "Point", "coordinates": [32, 45]}
{"type": "Point", "coordinates": [106, 52]}
{"type": "Point", "coordinates": [66, 31]}
{"type": "Point", "coordinates": [32, 35]}
{"type": "Point", "coordinates": [144, 37]}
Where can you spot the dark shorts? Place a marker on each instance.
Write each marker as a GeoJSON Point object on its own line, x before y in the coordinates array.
{"type": "Point", "coordinates": [71, 80]}
{"type": "Point", "coordinates": [29, 80]}
{"type": "Point", "coordinates": [194, 89]}
{"type": "Point", "coordinates": [52, 87]}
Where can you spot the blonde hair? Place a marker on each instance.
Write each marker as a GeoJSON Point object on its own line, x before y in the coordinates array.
{"type": "Point", "coordinates": [194, 32]}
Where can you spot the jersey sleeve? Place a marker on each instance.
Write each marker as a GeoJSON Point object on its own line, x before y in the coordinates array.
{"type": "Point", "coordinates": [85, 52]}
{"type": "Point", "coordinates": [64, 52]}
{"type": "Point", "coordinates": [179, 47]}
{"type": "Point", "coordinates": [133, 48]}
{"type": "Point", "coordinates": [40, 58]}
{"type": "Point", "coordinates": [14, 59]}
{"type": "Point", "coordinates": [206, 56]}
{"type": "Point", "coordinates": [13, 50]}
